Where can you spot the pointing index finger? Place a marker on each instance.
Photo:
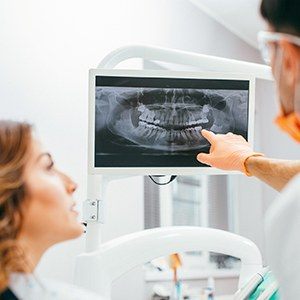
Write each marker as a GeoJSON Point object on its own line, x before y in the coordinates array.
{"type": "Point", "coordinates": [209, 135]}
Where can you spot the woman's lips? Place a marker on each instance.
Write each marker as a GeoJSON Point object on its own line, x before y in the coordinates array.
{"type": "Point", "coordinates": [73, 210]}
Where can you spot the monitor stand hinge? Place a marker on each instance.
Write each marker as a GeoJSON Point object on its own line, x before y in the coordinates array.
{"type": "Point", "coordinates": [93, 211]}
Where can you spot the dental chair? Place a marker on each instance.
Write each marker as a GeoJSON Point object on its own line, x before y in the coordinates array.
{"type": "Point", "coordinates": [98, 270]}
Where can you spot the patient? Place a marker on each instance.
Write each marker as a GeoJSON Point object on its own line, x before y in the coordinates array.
{"type": "Point", "coordinates": [36, 212]}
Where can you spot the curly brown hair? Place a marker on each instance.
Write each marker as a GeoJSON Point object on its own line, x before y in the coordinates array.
{"type": "Point", "coordinates": [15, 141]}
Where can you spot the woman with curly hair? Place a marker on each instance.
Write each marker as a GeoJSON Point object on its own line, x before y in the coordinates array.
{"type": "Point", "coordinates": [36, 212]}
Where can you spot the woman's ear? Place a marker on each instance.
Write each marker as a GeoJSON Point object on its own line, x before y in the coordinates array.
{"type": "Point", "coordinates": [290, 62]}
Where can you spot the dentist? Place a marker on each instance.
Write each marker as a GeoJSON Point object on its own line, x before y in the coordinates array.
{"type": "Point", "coordinates": [280, 47]}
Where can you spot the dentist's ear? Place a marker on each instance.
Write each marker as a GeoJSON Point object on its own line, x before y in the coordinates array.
{"type": "Point", "coordinates": [291, 62]}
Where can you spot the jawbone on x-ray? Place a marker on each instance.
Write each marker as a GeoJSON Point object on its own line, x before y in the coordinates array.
{"type": "Point", "coordinates": [169, 119]}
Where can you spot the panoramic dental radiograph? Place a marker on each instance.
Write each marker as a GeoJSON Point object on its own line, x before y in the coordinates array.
{"type": "Point", "coordinates": [152, 123]}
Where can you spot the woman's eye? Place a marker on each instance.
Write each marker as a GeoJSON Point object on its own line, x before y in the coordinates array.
{"type": "Point", "coordinates": [50, 166]}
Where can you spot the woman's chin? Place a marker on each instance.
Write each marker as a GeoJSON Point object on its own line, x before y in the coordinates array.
{"type": "Point", "coordinates": [75, 231]}
{"type": "Point", "coordinates": [80, 228]}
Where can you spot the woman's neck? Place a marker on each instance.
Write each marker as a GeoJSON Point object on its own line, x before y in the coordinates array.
{"type": "Point", "coordinates": [33, 251]}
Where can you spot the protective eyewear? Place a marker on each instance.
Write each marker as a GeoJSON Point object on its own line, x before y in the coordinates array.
{"type": "Point", "coordinates": [267, 42]}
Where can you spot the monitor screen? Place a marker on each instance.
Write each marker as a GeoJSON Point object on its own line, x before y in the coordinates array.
{"type": "Point", "coordinates": [157, 122]}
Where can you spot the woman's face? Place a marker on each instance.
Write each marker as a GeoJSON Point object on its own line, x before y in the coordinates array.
{"type": "Point", "coordinates": [48, 212]}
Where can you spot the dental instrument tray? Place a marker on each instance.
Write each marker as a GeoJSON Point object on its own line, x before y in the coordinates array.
{"type": "Point", "coordinates": [148, 122]}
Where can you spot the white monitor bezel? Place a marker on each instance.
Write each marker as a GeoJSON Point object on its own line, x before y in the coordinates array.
{"type": "Point", "coordinates": [92, 170]}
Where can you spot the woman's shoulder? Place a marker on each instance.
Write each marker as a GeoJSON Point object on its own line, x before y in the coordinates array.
{"type": "Point", "coordinates": [31, 287]}
{"type": "Point", "coordinates": [70, 291]}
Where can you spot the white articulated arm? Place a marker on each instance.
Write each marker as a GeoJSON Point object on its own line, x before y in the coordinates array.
{"type": "Point", "coordinates": [207, 63]}
{"type": "Point", "coordinates": [97, 270]}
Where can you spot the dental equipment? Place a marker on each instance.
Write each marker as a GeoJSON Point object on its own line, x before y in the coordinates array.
{"type": "Point", "coordinates": [206, 63]}
{"type": "Point", "coordinates": [175, 263]}
{"type": "Point", "coordinates": [94, 206]}
{"type": "Point", "coordinates": [261, 286]}
{"type": "Point", "coordinates": [97, 270]}
{"type": "Point", "coordinates": [251, 285]}
{"type": "Point", "coordinates": [149, 122]}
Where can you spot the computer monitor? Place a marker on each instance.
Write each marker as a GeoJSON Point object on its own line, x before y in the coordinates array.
{"type": "Point", "coordinates": [149, 122]}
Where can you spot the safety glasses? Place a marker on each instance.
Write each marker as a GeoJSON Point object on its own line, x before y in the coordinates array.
{"type": "Point", "coordinates": [268, 41]}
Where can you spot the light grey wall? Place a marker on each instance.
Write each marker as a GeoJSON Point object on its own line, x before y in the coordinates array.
{"type": "Point", "coordinates": [192, 30]}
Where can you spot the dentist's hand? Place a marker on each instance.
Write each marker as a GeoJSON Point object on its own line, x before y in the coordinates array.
{"type": "Point", "coordinates": [228, 151]}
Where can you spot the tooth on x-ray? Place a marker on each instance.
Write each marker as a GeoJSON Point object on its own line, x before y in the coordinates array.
{"type": "Point", "coordinates": [169, 119]}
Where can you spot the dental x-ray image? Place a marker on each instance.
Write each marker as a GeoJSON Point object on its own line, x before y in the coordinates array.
{"type": "Point", "coordinates": [146, 124]}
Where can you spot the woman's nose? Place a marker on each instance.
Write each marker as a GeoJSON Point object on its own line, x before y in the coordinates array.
{"type": "Point", "coordinates": [71, 186]}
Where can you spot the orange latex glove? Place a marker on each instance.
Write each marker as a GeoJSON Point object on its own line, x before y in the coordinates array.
{"type": "Point", "coordinates": [227, 152]}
